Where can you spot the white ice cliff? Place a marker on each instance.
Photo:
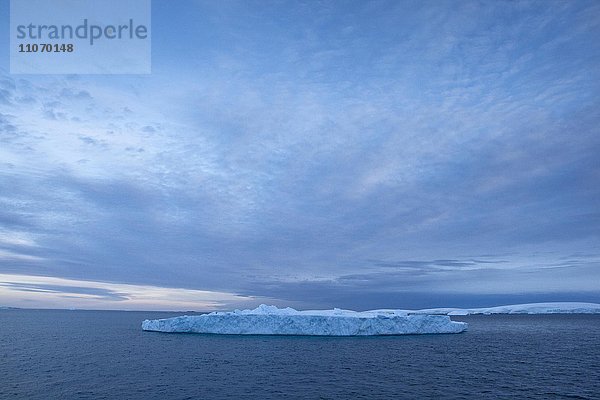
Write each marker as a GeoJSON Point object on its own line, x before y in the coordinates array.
{"type": "Point", "coordinates": [270, 320]}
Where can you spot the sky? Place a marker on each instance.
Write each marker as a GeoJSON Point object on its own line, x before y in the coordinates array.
{"type": "Point", "coordinates": [314, 154]}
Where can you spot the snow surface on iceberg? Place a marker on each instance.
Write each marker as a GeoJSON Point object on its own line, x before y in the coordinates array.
{"type": "Point", "coordinates": [270, 320]}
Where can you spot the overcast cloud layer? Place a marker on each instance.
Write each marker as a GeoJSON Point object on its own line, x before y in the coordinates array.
{"type": "Point", "coordinates": [355, 154]}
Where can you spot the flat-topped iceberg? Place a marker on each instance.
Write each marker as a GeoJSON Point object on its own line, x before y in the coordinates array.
{"type": "Point", "coordinates": [270, 320]}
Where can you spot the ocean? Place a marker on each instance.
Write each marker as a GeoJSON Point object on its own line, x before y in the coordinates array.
{"type": "Point", "coordinates": [59, 354]}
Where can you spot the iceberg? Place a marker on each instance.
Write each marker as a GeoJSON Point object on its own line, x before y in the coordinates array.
{"type": "Point", "coordinates": [270, 320]}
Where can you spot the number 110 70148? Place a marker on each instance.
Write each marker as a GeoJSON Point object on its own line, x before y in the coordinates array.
{"type": "Point", "coordinates": [45, 48]}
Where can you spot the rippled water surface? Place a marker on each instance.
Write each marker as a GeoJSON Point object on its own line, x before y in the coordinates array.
{"type": "Point", "coordinates": [105, 355]}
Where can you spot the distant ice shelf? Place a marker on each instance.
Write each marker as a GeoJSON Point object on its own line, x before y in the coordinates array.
{"type": "Point", "coordinates": [530, 308]}
{"type": "Point", "coordinates": [270, 320]}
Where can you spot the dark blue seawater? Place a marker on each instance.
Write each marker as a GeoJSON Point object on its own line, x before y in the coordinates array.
{"type": "Point", "coordinates": [105, 355]}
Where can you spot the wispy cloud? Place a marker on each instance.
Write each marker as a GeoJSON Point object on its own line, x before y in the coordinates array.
{"type": "Point", "coordinates": [49, 292]}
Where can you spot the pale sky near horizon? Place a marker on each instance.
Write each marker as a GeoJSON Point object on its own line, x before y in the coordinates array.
{"type": "Point", "coordinates": [356, 154]}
